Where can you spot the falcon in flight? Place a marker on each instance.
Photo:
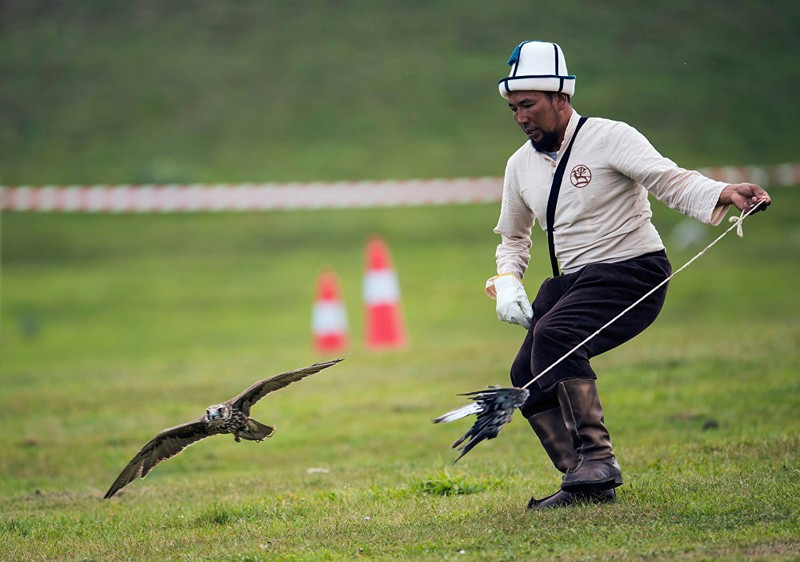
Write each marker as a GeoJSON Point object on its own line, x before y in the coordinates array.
{"type": "Point", "coordinates": [232, 416]}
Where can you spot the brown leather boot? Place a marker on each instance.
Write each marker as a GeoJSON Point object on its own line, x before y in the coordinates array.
{"type": "Point", "coordinates": [551, 430]}
{"type": "Point", "coordinates": [597, 468]}
{"type": "Point", "coordinates": [549, 426]}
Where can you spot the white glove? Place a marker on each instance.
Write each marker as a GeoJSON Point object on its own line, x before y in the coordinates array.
{"type": "Point", "coordinates": [513, 305]}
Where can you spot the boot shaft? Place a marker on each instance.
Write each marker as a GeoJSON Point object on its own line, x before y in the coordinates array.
{"type": "Point", "coordinates": [551, 430]}
{"type": "Point", "coordinates": [584, 418]}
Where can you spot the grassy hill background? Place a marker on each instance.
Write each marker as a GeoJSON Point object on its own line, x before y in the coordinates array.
{"type": "Point", "coordinates": [206, 91]}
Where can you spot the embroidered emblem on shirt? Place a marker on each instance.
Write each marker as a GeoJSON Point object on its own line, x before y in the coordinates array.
{"type": "Point", "coordinates": [580, 176]}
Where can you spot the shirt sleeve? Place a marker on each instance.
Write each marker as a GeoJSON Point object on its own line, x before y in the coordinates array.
{"type": "Point", "coordinates": [687, 191]}
{"type": "Point", "coordinates": [514, 227]}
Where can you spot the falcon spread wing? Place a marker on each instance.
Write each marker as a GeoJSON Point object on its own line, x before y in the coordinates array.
{"type": "Point", "coordinates": [244, 401]}
{"type": "Point", "coordinates": [166, 444]}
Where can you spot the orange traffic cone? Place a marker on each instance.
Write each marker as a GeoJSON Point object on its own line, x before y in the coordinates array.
{"type": "Point", "coordinates": [384, 327]}
{"type": "Point", "coordinates": [329, 317]}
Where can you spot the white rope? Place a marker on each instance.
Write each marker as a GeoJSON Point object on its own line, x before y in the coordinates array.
{"type": "Point", "coordinates": [737, 225]}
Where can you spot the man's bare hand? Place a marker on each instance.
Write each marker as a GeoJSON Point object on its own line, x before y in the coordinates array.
{"type": "Point", "coordinates": [744, 196]}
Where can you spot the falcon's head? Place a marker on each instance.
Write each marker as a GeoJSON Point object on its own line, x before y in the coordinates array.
{"type": "Point", "coordinates": [218, 412]}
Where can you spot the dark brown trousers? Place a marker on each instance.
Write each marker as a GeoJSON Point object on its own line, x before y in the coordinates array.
{"type": "Point", "coordinates": [569, 308]}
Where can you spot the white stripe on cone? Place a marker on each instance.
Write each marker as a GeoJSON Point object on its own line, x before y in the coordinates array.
{"type": "Point", "coordinates": [381, 287]}
{"type": "Point", "coordinates": [329, 317]}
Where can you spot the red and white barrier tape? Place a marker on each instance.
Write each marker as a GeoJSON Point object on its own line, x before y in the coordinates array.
{"type": "Point", "coordinates": [249, 197]}
{"type": "Point", "coordinates": [290, 196]}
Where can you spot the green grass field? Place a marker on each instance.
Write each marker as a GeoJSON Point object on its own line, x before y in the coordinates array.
{"type": "Point", "coordinates": [114, 327]}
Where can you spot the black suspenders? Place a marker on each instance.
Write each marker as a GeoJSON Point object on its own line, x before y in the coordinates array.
{"type": "Point", "coordinates": [551, 201]}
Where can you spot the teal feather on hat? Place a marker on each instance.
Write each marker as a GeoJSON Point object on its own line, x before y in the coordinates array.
{"type": "Point", "coordinates": [514, 59]}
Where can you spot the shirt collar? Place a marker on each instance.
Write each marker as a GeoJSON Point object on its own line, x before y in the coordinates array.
{"type": "Point", "coordinates": [570, 130]}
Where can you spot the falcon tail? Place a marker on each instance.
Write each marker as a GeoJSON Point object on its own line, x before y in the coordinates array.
{"type": "Point", "coordinates": [255, 430]}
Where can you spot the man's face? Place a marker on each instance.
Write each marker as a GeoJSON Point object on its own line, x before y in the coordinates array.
{"type": "Point", "coordinates": [537, 114]}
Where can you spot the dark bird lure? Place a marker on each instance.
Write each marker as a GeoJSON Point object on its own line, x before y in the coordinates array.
{"type": "Point", "coordinates": [231, 417]}
{"type": "Point", "coordinates": [494, 408]}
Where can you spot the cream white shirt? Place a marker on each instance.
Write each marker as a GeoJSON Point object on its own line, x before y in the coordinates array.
{"type": "Point", "coordinates": [603, 213]}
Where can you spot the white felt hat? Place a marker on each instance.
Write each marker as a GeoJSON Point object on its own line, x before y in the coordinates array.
{"type": "Point", "coordinates": [539, 66]}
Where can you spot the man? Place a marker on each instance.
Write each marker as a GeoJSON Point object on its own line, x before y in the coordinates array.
{"type": "Point", "coordinates": [610, 255]}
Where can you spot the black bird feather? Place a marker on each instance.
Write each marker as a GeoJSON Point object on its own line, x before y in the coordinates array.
{"type": "Point", "coordinates": [494, 408]}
